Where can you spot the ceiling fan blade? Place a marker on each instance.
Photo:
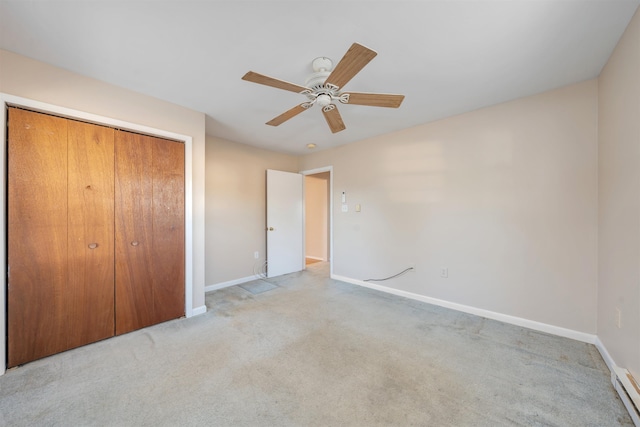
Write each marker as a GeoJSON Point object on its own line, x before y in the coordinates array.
{"type": "Point", "coordinates": [270, 81]}
{"type": "Point", "coordinates": [333, 117]}
{"type": "Point", "coordinates": [375, 99]}
{"type": "Point", "coordinates": [288, 114]}
{"type": "Point", "coordinates": [351, 63]}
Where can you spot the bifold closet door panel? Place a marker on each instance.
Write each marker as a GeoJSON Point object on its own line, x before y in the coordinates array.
{"type": "Point", "coordinates": [37, 290]}
{"type": "Point", "coordinates": [134, 233]}
{"type": "Point", "coordinates": [60, 228]}
{"type": "Point", "coordinates": [91, 233]}
{"type": "Point", "coordinates": [168, 229]}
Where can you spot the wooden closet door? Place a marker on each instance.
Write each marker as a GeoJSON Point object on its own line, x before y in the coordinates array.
{"type": "Point", "coordinates": [149, 231]}
{"type": "Point", "coordinates": [36, 236]}
{"type": "Point", "coordinates": [90, 313]}
{"type": "Point", "coordinates": [168, 229]}
{"type": "Point", "coordinates": [60, 235]}
{"type": "Point", "coordinates": [134, 232]}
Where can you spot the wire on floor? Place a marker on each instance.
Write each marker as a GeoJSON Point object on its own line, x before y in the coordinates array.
{"type": "Point", "coordinates": [261, 273]}
{"type": "Point", "coordinates": [390, 277]}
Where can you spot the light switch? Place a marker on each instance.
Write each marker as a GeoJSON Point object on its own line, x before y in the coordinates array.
{"type": "Point", "coordinates": [345, 208]}
{"type": "Point", "coordinates": [357, 208]}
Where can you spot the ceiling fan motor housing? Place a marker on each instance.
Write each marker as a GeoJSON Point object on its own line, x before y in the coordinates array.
{"type": "Point", "coordinates": [317, 79]}
{"type": "Point", "coordinates": [320, 93]}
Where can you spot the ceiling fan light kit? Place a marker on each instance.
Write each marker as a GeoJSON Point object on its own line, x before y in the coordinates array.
{"type": "Point", "coordinates": [323, 99]}
{"type": "Point", "coordinates": [324, 87]}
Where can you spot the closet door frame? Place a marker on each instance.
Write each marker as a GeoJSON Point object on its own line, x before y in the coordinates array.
{"type": "Point", "coordinates": [16, 101]}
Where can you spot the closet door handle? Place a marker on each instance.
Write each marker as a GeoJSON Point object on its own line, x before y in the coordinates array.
{"type": "Point", "coordinates": [134, 243]}
{"type": "Point", "coordinates": [93, 245]}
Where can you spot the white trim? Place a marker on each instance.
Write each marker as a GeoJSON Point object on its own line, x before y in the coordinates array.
{"type": "Point", "coordinates": [627, 393]}
{"type": "Point", "coordinates": [330, 170]}
{"type": "Point", "coordinates": [304, 226]}
{"type": "Point", "coordinates": [229, 283]}
{"type": "Point", "coordinates": [621, 383]}
{"type": "Point", "coordinates": [11, 100]}
{"type": "Point", "coordinates": [626, 382]}
{"type": "Point", "coordinates": [518, 321]}
{"type": "Point", "coordinates": [317, 170]}
{"type": "Point", "coordinates": [626, 399]}
{"type": "Point", "coordinates": [199, 310]}
{"type": "Point", "coordinates": [605, 354]}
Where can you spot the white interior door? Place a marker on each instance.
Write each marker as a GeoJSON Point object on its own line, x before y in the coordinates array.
{"type": "Point", "coordinates": [285, 199]}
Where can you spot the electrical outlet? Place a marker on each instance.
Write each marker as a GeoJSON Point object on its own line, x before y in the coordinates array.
{"type": "Point", "coordinates": [618, 317]}
{"type": "Point", "coordinates": [444, 272]}
{"type": "Point", "coordinates": [256, 254]}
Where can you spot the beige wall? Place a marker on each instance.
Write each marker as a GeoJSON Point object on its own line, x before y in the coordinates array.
{"type": "Point", "coordinates": [504, 197]}
{"type": "Point", "coordinates": [26, 78]}
{"type": "Point", "coordinates": [316, 216]}
{"type": "Point", "coordinates": [235, 215]}
{"type": "Point", "coordinates": [619, 201]}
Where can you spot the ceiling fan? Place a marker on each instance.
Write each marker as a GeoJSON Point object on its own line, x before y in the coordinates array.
{"type": "Point", "coordinates": [324, 87]}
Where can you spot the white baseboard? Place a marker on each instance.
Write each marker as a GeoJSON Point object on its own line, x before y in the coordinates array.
{"type": "Point", "coordinates": [518, 321]}
{"type": "Point", "coordinates": [199, 310]}
{"type": "Point", "coordinates": [605, 354]}
{"type": "Point", "coordinates": [223, 285]}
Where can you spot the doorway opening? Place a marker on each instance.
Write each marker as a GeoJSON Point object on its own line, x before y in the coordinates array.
{"type": "Point", "coordinates": [318, 234]}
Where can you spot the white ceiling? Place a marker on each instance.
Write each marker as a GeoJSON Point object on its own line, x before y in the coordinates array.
{"type": "Point", "coordinates": [447, 57]}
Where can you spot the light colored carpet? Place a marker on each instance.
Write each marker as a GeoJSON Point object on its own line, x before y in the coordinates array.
{"type": "Point", "coordinates": [317, 352]}
{"type": "Point", "coordinates": [258, 286]}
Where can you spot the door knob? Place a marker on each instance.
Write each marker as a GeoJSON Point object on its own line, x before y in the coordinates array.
{"type": "Point", "coordinates": [93, 245]}
{"type": "Point", "coordinates": [270, 228]}
{"type": "Point", "coordinates": [134, 243]}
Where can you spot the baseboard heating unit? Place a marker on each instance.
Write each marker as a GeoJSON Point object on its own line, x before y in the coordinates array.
{"type": "Point", "coordinates": [629, 392]}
